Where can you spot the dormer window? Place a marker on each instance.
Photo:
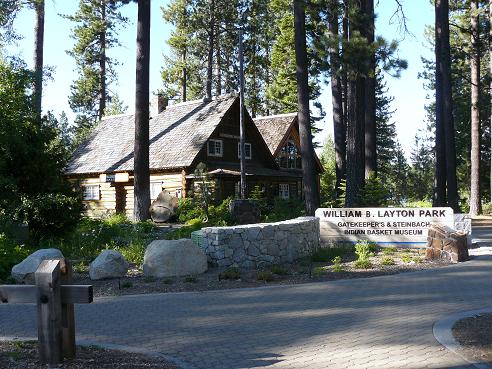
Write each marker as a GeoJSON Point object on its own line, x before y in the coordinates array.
{"type": "Point", "coordinates": [247, 150]}
{"type": "Point", "coordinates": [215, 148]}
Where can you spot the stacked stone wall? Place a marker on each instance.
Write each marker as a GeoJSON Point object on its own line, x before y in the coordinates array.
{"type": "Point", "coordinates": [255, 245]}
{"type": "Point", "coordinates": [446, 244]}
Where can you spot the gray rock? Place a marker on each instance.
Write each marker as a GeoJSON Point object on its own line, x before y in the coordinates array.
{"type": "Point", "coordinates": [168, 258]}
{"type": "Point", "coordinates": [24, 271]}
{"type": "Point", "coordinates": [109, 264]}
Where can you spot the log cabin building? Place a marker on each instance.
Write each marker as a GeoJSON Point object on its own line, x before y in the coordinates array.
{"type": "Point", "coordinates": [182, 136]}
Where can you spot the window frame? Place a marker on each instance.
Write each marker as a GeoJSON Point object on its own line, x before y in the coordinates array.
{"type": "Point", "coordinates": [93, 194]}
{"type": "Point", "coordinates": [221, 145]}
{"type": "Point", "coordinates": [246, 144]}
{"type": "Point", "coordinates": [150, 189]}
{"type": "Point", "coordinates": [284, 188]}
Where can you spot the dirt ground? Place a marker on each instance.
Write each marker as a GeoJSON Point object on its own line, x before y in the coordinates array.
{"type": "Point", "coordinates": [405, 260]}
{"type": "Point", "coordinates": [24, 355]}
{"type": "Point", "coordinates": [475, 337]}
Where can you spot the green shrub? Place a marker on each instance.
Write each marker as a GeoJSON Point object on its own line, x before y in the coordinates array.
{"type": "Point", "coordinates": [363, 250]}
{"type": "Point", "coordinates": [10, 254]}
{"type": "Point", "coordinates": [134, 252]}
{"type": "Point", "coordinates": [284, 209]}
{"type": "Point", "coordinates": [419, 204]}
{"type": "Point", "coordinates": [279, 270]}
{"type": "Point", "coordinates": [266, 276]}
{"type": "Point", "coordinates": [230, 273]}
{"type": "Point", "coordinates": [406, 258]}
{"type": "Point", "coordinates": [363, 264]}
{"type": "Point", "coordinates": [387, 261]}
{"type": "Point", "coordinates": [319, 272]}
{"type": "Point", "coordinates": [337, 264]}
{"type": "Point", "coordinates": [186, 230]}
{"type": "Point", "coordinates": [190, 209]}
{"type": "Point", "coordinates": [50, 215]}
{"type": "Point", "coordinates": [374, 192]}
{"type": "Point", "coordinates": [327, 254]}
{"type": "Point", "coordinates": [389, 250]}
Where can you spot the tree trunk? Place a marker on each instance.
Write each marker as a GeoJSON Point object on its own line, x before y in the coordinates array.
{"type": "Point", "coordinates": [211, 44]}
{"type": "Point", "coordinates": [475, 198]}
{"type": "Point", "coordinates": [102, 63]}
{"type": "Point", "coordinates": [184, 77]}
{"type": "Point", "coordinates": [339, 128]}
{"type": "Point", "coordinates": [344, 78]}
{"type": "Point", "coordinates": [311, 190]}
{"type": "Point", "coordinates": [439, 197]}
{"type": "Point", "coordinates": [447, 117]}
{"type": "Point", "coordinates": [370, 97]}
{"type": "Point", "coordinates": [141, 149]}
{"type": "Point", "coordinates": [38, 56]}
{"type": "Point", "coordinates": [490, 89]}
{"type": "Point", "coordinates": [218, 87]}
{"type": "Point", "coordinates": [355, 127]}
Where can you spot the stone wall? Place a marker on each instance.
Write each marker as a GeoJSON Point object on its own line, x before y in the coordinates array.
{"type": "Point", "coordinates": [254, 245]}
{"type": "Point", "coordinates": [446, 244]}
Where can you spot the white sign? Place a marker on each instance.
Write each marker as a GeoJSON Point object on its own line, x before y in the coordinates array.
{"type": "Point", "coordinates": [381, 225]}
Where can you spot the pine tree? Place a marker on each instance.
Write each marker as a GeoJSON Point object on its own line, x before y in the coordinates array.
{"type": "Point", "coordinates": [95, 32]}
{"type": "Point", "coordinates": [422, 171]}
{"type": "Point", "coordinates": [38, 6]}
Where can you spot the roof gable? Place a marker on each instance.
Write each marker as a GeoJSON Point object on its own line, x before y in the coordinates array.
{"type": "Point", "coordinates": [176, 136]}
{"type": "Point", "coordinates": [275, 129]}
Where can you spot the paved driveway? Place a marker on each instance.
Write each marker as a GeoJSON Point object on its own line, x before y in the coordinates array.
{"type": "Point", "coordinates": [382, 322]}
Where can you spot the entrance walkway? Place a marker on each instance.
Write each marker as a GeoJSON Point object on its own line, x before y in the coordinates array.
{"type": "Point", "coordinates": [382, 322]}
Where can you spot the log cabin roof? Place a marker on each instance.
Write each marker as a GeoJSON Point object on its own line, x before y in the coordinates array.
{"type": "Point", "coordinates": [176, 136]}
{"type": "Point", "coordinates": [274, 128]}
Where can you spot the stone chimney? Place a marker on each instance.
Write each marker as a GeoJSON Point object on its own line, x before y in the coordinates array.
{"type": "Point", "coordinates": [158, 104]}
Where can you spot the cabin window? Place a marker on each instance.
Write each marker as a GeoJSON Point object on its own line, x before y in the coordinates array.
{"type": "Point", "coordinates": [91, 192]}
{"type": "Point", "coordinates": [155, 189]}
{"type": "Point", "coordinates": [247, 150]}
{"type": "Point", "coordinates": [179, 193]}
{"type": "Point", "coordinates": [215, 148]}
{"type": "Point", "coordinates": [289, 157]}
{"type": "Point", "coordinates": [283, 190]}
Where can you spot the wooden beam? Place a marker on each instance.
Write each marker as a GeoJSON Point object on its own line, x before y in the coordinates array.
{"type": "Point", "coordinates": [27, 294]}
{"type": "Point", "coordinates": [68, 313]}
{"type": "Point", "coordinates": [49, 312]}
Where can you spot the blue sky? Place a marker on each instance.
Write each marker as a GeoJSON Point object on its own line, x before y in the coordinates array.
{"type": "Point", "coordinates": [407, 90]}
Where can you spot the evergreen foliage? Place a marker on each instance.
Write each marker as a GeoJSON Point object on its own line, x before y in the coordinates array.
{"type": "Point", "coordinates": [95, 32]}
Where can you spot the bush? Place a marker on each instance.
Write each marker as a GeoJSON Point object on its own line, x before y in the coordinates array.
{"type": "Point", "coordinates": [389, 250]}
{"type": "Point", "coordinates": [50, 215]}
{"type": "Point", "coordinates": [10, 254]}
{"type": "Point", "coordinates": [186, 230]}
{"type": "Point", "coordinates": [406, 258]}
{"type": "Point", "coordinates": [279, 270]}
{"type": "Point", "coordinates": [266, 276]}
{"type": "Point", "coordinates": [337, 264]}
{"type": "Point", "coordinates": [191, 209]}
{"type": "Point", "coordinates": [230, 273]}
{"type": "Point", "coordinates": [363, 252]}
{"type": "Point", "coordinates": [387, 261]}
{"type": "Point", "coordinates": [284, 209]}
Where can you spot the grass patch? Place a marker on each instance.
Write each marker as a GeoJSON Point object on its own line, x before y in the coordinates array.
{"type": "Point", "coordinates": [279, 270]}
{"type": "Point", "coordinates": [265, 276]}
{"type": "Point", "coordinates": [231, 273]}
{"type": "Point", "coordinates": [319, 272]}
{"type": "Point", "coordinates": [327, 254]}
{"type": "Point", "coordinates": [387, 261]}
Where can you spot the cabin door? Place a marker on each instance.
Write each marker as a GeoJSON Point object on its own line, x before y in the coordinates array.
{"type": "Point", "coordinates": [120, 198]}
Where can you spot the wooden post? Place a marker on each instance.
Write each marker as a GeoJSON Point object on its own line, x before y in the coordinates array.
{"type": "Point", "coordinates": [68, 315]}
{"type": "Point", "coordinates": [49, 312]}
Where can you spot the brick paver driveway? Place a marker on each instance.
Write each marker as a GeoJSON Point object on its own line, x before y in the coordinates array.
{"type": "Point", "coordinates": [382, 322]}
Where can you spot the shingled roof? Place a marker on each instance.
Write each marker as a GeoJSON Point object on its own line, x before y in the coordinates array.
{"type": "Point", "coordinates": [176, 136]}
{"type": "Point", "coordinates": [274, 128]}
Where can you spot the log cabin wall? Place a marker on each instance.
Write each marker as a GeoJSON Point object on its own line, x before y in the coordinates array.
{"type": "Point", "coordinates": [106, 205]}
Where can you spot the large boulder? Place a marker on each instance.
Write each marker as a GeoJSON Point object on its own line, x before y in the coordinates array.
{"type": "Point", "coordinates": [109, 264]}
{"type": "Point", "coordinates": [24, 271]}
{"type": "Point", "coordinates": [168, 258]}
{"type": "Point", "coordinates": [163, 207]}
{"type": "Point", "coordinates": [444, 243]}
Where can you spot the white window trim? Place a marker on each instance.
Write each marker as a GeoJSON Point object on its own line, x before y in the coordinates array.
{"type": "Point", "coordinates": [221, 151]}
{"type": "Point", "coordinates": [239, 150]}
{"type": "Point", "coordinates": [92, 192]}
{"type": "Point", "coordinates": [283, 190]}
{"type": "Point", "coordinates": [154, 196]}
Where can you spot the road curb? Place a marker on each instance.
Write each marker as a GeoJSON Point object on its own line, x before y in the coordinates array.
{"type": "Point", "coordinates": [442, 333]}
